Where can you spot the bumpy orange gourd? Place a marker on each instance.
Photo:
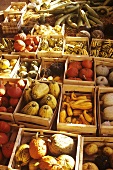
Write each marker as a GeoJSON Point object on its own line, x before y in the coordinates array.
{"type": "Point", "coordinates": [37, 148]}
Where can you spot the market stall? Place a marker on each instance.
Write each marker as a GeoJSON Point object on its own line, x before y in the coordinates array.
{"type": "Point", "coordinates": [56, 84]}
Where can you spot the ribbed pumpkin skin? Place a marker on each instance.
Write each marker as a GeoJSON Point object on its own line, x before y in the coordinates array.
{"type": "Point", "coordinates": [39, 90]}
{"type": "Point", "coordinates": [31, 108]}
{"type": "Point", "coordinates": [50, 100]}
{"type": "Point", "coordinates": [54, 89]}
{"type": "Point", "coordinates": [46, 111]}
{"type": "Point", "coordinates": [38, 148]}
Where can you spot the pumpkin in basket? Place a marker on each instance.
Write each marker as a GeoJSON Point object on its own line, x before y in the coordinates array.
{"type": "Point", "coordinates": [38, 148]}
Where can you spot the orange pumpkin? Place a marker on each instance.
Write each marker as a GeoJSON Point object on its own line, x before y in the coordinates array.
{"type": "Point", "coordinates": [19, 45]}
{"type": "Point", "coordinates": [85, 73]}
{"type": "Point", "coordinates": [29, 48]}
{"type": "Point", "coordinates": [29, 41]}
{"type": "Point", "coordinates": [20, 36]}
{"type": "Point", "coordinates": [37, 148]}
{"type": "Point", "coordinates": [36, 39]}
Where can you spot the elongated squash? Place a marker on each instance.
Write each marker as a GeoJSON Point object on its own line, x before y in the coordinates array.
{"type": "Point", "coordinates": [54, 89]}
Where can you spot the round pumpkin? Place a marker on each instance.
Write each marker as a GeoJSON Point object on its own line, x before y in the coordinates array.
{"type": "Point", "coordinates": [3, 138]}
{"type": "Point", "coordinates": [7, 149]}
{"type": "Point", "coordinates": [38, 148]}
{"type": "Point", "coordinates": [4, 127]}
{"type": "Point", "coordinates": [19, 45]}
{"type": "Point", "coordinates": [20, 36]}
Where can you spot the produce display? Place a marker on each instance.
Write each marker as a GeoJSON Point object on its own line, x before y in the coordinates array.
{"type": "Point", "coordinates": [104, 75]}
{"type": "Point", "coordinates": [9, 100]}
{"type": "Point", "coordinates": [16, 7]}
{"type": "Point", "coordinates": [7, 66]}
{"type": "Point", "coordinates": [106, 107]}
{"type": "Point", "coordinates": [51, 44]}
{"type": "Point", "coordinates": [28, 68]}
{"type": "Point", "coordinates": [76, 47]}
{"type": "Point", "coordinates": [102, 48]}
{"type": "Point", "coordinates": [97, 155]}
{"type": "Point", "coordinates": [46, 94]}
{"type": "Point", "coordinates": [80, 70]}
{"type": "Point", "coordinates": [76, 109]}
{"type": "Point", "coordinates": [12, 20]}
{"type": "Point", "coordinates": [47, 30]}
{"type": "Point", "coordinates": [52, 69]}
{"type": "Point", "coordinates": [58, 75]}
{"type": "Point", "coordinates": [40, 101]}
{"type": "Point", "coordinates": [47, 151]}
{"type": "Point", "coordinates": [23, 43]}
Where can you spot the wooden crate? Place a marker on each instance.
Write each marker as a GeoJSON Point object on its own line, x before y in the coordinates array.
{"type": "Point", "coordinates": [104, 129]}
{"type": "Point", "coordinates": [30, 55]}
{"type": "Point", "coordinates": [20, 8]}
{"type": "Point", "coordinates": [28, 68]}
{"type": "Point", "coordinates": [50, 53]}
{"type": "Point", "coordinates": [47, 30]}
{"type": "Point", "coordinates": [5, 115]}
{"type": "Point", "coordinates": [12, 137]}
{"type": "Point", "coordinates": [30, 121]}
{"type": "Point", "coordinates": [45, 64]}
{"type": "Point", "coordinates": [99, 141]}
{"type": "Point", "coordinates": [105, 62]}
{"type": "Point", "coordinates": [79, 128]}
{"type": "Point", "coordinates": [25, 135]}
{"type": "Point", "coordinates": [101, 48]}
{"type": "Point", "coordinates": [4, 74]}
{"type": "Point", "coordinates": [12, 26]}
{"type": "Point", "coordinates": [76, 46]}
{"type": "Point", "coordinates": [78, 82]}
